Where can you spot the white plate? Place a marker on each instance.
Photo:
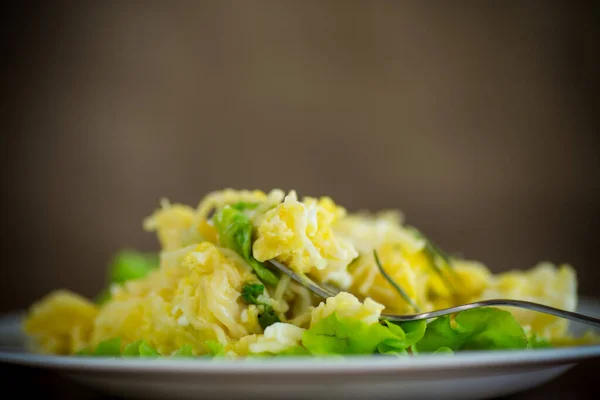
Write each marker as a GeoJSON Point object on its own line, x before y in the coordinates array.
{"type": "Point", "coordinates": [465, 375]}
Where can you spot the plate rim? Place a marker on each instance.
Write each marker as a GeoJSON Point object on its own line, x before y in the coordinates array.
{"type": "Point", "coordinates": [328, 365]}
{"type": "Point", "coordinates": [311, 366]}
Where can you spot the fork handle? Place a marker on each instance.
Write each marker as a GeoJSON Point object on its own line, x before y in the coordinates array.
{"type": "Point", "coordinates": [577, 317]}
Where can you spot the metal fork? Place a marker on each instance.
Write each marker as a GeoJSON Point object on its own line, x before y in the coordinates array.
{"type": "Point", "coordinates": [325, 291]}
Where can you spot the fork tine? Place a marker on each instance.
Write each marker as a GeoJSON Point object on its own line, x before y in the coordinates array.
{"type": "Point", "coordinates": [327, 291]}
{"type": "Point", "coordinates": [577, 317]}
{"type": "Point", "coordinates": [321, 290]}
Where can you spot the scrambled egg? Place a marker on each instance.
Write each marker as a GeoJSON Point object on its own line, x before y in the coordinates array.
{"type": "Point", "coordinates": [546, 284]}
{"type": "Point", "coordinates": [61, 323]}
{"type": "Point", "coordinates": [196, 300]}
{"type": "Point", "coordinates": [277, 338]}
{"type": "Point", "coordinates": [172, 223]}
{"type": "Point", "coordinates": [300, 235]}
{"type": "Point", "coordinates": [196, 295]}
{"type": "Point", "coordinates": [348, 306]}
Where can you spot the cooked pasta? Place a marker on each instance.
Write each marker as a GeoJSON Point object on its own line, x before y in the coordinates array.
{"type": "Point", "coordinates": [211, 291]}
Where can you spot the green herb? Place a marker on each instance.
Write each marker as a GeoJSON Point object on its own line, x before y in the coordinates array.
{"type": "Point", "coordinates": [235, 232]}
{"type": "Point", "coordinates": [250, 293]}
{"type": "Point", "coordinates": [267, 317]}
{"type": "Point", "coordinates": [394, 283]}
{"type": "Point", "coordinates": [435, 255]}
{"type": "Point", "coordinates": [485, 328]}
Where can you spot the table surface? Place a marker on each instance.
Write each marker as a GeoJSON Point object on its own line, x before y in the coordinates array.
{"type": "Point", "coordinates": [577, 383]}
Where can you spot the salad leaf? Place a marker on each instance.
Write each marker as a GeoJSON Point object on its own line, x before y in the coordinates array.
{"type": "Point", "coordinates": [140, 348]}
{"type": "Point", "coordinates": [407, 334]}
{"type": "Point", "coordinates": [132, 349]}
{"type": "Point", "coordinates": [244, 205]}
{"type": "Point", "coordinates": [250, 292]}
{"type": "Point", "coordinates": [387, 349]}
{"type": "Point", "coordinates": [478, 329]}
{"type": "Point", "coordinates": [86, 351]}
{"type": "Point", "coordinates": [235, 232]}
{"type": "Point", "coordinates": [109, 348]}
{"type": "Point", "coordinates": [443, 350]}
{"type": "Point", "coordinates": [335, 335]}
{"type": "Point", "coordinates": [147, 351]}
{"type": "Point", "coordinates": [184, 351]}
{"type": "Point", "coordinates": [129, 265]}
{"type": "Point", "coordinates": [413, 331]}
{"type": "Point", "coordinates": [215, 348]}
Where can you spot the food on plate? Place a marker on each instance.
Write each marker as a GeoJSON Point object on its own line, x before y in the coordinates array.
{"type": "Point", "coordinates": [211, 292]}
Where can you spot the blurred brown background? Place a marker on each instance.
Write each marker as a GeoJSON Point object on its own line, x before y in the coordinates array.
{"type": "Point", "coordinates": [477, 119]}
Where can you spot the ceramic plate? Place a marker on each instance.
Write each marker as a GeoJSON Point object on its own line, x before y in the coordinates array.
{"type": "Point", "coordinates": [468, 375]}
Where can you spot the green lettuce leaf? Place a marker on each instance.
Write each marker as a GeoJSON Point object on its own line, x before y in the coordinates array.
{"type": "Point", "coordinates": [335, 335]}
{"type": "Point", "coordinates": [443, 350]}
{"type": "Point", "coordinates": [86, 351]}
{"type": "Point", "coordinates": [112, 347]}
{"type": "Point", "coordinates": [390, 349]}
{"type": "Point", "coordinates": [407, 334]}
{"type": "Point", "coordinates": [132, 349]}
{"type": "Point", "coordinates": [140, 348]}
{"type": "Point", "coordinates": [130, 265]}
{"type": "Point", "coordinates": [147, 351]}
{"type": "Point", "coordinates": [127, 265]}
{"type": "Point", "coordinates": [108, 348]}
{"type": "Point", "coordinates": [215, 348]}
{"type": "Point", "coordinates": [414, 331]}
{"type": "Point", "coordinates": [244, 205]}
{"type": "Point", "coordinates": [235, 232]}
{"type": "Point", "coordinates": [184, 351]}
{"type": "Point", "coordinates": [478, 329]}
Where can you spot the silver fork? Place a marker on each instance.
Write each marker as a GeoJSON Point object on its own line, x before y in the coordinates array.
{"type": "Point", "coordinates": [325, 291]}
